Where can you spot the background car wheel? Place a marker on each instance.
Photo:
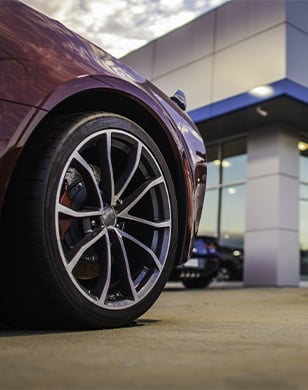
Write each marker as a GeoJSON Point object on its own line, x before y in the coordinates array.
{"type": "Point", "coordinates": [223, 275]}
{"type": "Point", "coordinates": [89, 224]}
{"type": "Point", "coordinates": [197, 283]}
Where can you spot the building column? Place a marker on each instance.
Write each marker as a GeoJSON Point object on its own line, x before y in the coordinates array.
{"type": "Point", "coordinates": [272, 204]}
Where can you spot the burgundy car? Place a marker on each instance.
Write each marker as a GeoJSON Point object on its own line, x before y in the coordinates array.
{"type": "Point", "coordinates": [102, 180]}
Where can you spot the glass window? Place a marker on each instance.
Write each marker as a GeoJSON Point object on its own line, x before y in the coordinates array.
{"type": "Point", "coordinates": [234, 161]}
{"type": "Point", "coordinates": [209, 217]}
{"type": "Point", "coordinates": [232, 226]}
{"type": "Point", "coordinates": [212, 166]}
{"type": "Point", "coordinates": [304, 225]}
{"type": "Point", "coordinates": [304, 192]}
{"type": "Point", "coordinates": [303, 212]}
{"type": "Point", "coordinates": [303, 167]}
{"type": "Point", "coordinates": [303, 229]}
{"type": "Point", "coordinates": [223, 213]}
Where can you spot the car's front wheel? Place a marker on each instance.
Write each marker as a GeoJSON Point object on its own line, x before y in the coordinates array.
{"type": "Point", "coordinates": [90, 225]}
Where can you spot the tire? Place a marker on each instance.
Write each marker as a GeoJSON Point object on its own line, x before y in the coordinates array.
{"type": "Point", "coordinates": [197, 283]}
{"type": "Point", "coordinates": [223, 274]}
{"type": "Point", "coordinates": [90, 225]}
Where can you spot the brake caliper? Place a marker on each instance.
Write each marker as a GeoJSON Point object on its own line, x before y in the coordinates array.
{"type": "Point", "coordinates": [66, 200]}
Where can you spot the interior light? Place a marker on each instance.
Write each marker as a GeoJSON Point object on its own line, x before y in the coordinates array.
{"type": "Point", "coordinates": [302, 146]}
{"type": "Point", "coordinates": [262, 91]}
{"type": "Point", "coordinates": [226, 163]}
{"type": "Point", "coordinates": [232, 190]}
{"type": "Point", "coordinates": [223, 163]}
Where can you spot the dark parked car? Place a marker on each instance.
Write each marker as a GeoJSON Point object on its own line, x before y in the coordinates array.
{"type": "Point", "coordinates": [102, 179]}
{"type": "Point", "coordinates": [203, 265]}
{"type": "Point", "coordinates": [232, 263]}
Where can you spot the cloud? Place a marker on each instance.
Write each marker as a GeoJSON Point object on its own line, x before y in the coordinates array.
{"type": "Point", "coordinates": [120, 26]}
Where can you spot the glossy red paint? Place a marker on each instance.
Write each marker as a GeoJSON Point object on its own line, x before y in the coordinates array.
{"type": "Point", "coordinates": [46, 68]}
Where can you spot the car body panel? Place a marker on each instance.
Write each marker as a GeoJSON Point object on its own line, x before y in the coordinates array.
{"type": "Point", "coordinates": [42, 64]}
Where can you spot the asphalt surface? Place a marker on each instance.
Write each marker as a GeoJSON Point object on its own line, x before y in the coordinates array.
{"type": "Point", "coordinates": [224, 337]}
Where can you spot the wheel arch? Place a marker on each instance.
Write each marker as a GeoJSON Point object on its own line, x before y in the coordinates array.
{"type": "Point", "coordinates": [118, 102]}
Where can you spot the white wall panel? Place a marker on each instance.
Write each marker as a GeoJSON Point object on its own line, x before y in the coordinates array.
{"type": "Point", "coordinates": [271, 152]}
{"type": "Point", "coordinates": [272, 218]}
{"type": "Point", "coordinates": [142, 60]}
{"type": "Point", "coordinates": [288, 268]}
{"type": "Point", "coordinates": [297, 13]}
{"type": "Point", "coordinates": [272, 260]}
{"type": "Point", "coordinates": [193, 79]}
{"type": "Point", "coordinates": [241, 19]}
{"type": "Point", "coordinates": [258, 60]}
{"type": "Point", "coordinates": [185, 45]}
{"type": "Point", "coordinates": [297, 54]}
{"type": "Point", "coordinates": [249, 51]}
{"type": "Point", "coordinates": [271, 206]}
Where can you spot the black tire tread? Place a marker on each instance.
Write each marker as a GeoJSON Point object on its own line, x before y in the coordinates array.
{"type": "Point", "coordinates": [42, 304]}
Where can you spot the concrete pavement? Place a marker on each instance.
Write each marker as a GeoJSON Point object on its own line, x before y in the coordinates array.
{"type": "Point", "coordinates": [218, 338]}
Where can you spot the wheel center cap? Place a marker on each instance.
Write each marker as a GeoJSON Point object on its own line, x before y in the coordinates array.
{"type": "Point", "coordinates": [109, 216]}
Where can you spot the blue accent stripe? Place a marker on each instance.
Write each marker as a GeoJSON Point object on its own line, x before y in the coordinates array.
{"type": "Point", "coordinates": [237, 102]}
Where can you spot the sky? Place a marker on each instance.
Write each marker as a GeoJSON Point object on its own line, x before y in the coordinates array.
{"type": "Point", "coordinates": [121, 26]}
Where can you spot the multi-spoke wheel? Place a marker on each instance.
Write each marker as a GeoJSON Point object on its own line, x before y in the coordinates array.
{"type": "Point", "coordinates": [96, 224]}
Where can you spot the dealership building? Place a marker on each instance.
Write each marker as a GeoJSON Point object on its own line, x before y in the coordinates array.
{"type": "Point", "coordinates": [244, 69]}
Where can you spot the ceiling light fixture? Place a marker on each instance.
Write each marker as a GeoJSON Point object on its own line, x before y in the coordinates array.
{"type": "Point", "coordinates": [262, 91]}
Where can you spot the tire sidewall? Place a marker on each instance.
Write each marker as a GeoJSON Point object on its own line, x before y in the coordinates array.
{"type": "Point", "coordinates": [66, 289]}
